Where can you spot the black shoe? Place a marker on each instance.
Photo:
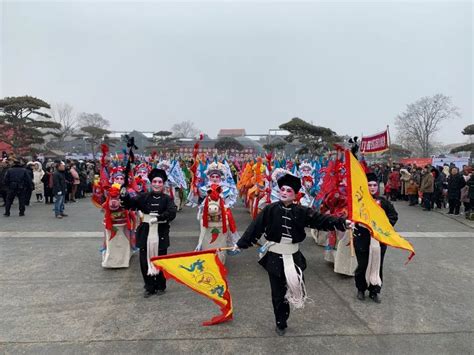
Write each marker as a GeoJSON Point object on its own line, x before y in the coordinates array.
{"type": "Point", "coordinates": [361, 295]}
{"type": "Point", "coordinates": [160, 292]}
{"type": "Point", "coordinates": [6, 214]}
{"type": "Point", "coordinates": [22, 214]}
{"type": "Point", "coordinates": [147, 294]}
{"type": "Point", "coordinates": [449, 213]}
{"type": "Point", "coordinates": [375, 297]}
{"type": "Point", "coordinates": [63, 214]}
{"type": "Point", "coordinates": [280, 331]}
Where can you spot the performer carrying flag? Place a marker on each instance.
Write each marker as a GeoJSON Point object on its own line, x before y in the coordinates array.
{"type": "Point", "coordinates": [284, 224]}
{"type": "Point", "coordinates": [153, 233]}
{"type": "Point", "coordinates": [375, 217]}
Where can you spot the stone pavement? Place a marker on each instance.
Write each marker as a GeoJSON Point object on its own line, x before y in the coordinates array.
{"type": "Point", "coordinates": [56, 298]}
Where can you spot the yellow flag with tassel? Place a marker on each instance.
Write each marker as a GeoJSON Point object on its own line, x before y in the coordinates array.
{"type": "Point", "coordinates": [363, 209]}
{"type": "Point", "coordinates": [203, 272]}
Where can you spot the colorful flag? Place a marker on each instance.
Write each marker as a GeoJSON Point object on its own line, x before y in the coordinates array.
{"type": "Point", "coordinates": [375, 143]}
{"type": "Point", "coordinates": [204, 273]}
{"type": "Point", "coordinates": [364, 209]}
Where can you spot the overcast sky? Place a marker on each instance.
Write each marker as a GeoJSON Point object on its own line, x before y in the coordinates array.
{"type": "Point", "coordinates": [351, 66]}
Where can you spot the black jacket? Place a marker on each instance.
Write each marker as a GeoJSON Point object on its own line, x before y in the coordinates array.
{"type": "Point", "coordinates": [59, 182]}
{"type": "Point", "coordinates": [455, 184]}
{"type": "Point", "coordinates": [270, 221]}
{"type": "Point", "coordinates": [470, 183]}
{"type": "Point", "coordinates": [362, 235]}
{"type": "Point", "coordinates": [17, 178]}
{"type": "Point", "coordinates": [149, 202]}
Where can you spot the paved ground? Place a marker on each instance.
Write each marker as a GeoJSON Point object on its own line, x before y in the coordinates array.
{"type": "Point", "coordinates": [57, 299]}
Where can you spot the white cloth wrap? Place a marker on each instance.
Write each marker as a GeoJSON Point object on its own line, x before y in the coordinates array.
{"type": "Point", "coordinates": [372, 274]}
{"type": "Point", "coordinates": [152, 244]}
{"type": "Point", "coordinates": [296, 289]}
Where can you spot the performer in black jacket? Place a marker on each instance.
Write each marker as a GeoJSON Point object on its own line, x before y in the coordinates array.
{"type": "Point", "coordinates": [159, 209]}
{"type": "Point", "coordinates": [364, 245]}
{"type": "Point", "coordinates": [284, 225]}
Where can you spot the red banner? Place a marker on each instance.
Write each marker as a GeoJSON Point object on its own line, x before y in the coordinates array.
{"type": "Point", "coordinates": [375, 143]}
{"type": "Point", "coordinates": [420, 162]}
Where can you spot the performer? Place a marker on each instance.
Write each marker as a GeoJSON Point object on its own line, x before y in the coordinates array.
{"type": "Point", "coordinates": [284, 224]}
{"type": "Point", "coordinates": [153, 233]}
{"type": "Point", "coordinates": [369, 252]}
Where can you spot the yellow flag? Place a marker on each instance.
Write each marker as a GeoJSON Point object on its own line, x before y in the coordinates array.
{"type": "Point", "coordinates": [364, 209]}
{"type": "Point", "coordinates": [204, 273]}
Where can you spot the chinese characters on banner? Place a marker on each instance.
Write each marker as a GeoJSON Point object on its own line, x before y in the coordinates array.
{"type": "Point", "coordinates": [375, 143]}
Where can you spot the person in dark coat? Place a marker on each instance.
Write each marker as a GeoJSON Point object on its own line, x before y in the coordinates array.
{"type": "Point", "coordinates": [59, 190]}
{"type": "Point", "coordinates": [470, 184]}
{"type": "Point", "coordinates": [157, 203]}
{"type": "Point", "coordinates": [48, 185]}
{"type": "Point", "coordinates": [284, 225]}
{"type": "Point", "coordinates": [455, 183]}
{"type": "Point", "coordinates": [437, 197]}
{"type": "Point", "coordinates": [18, 182]}
{"type": "Point", "coordinates": [30, 187]}
{"type": "Point", "coordinates": [4, 166]}
{"type": "Point", "coordinates": [362, 240]}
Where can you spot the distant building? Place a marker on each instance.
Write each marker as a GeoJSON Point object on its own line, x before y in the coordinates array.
{"type": "Point", "coordinates": [231, 132]}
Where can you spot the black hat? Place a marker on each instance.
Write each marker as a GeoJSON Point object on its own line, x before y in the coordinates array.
{"type": "Point", "coordinates": [157, 173]}
{"type": "Point", "coordinates": [291, 181]}
{"type": "Point", "coordinates": [371, 177]}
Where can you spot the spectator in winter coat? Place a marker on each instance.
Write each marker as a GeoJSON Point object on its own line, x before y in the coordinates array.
{"type": "Point", "coordinates": [470, 184]}
{"type": "Point", "coordinates": [412, 192]}
{"type": "Point", "coordinates": [394, 182]}
{"type": "Point", "coordinates": [59, 190]}
{"type": "Point", "coordinates": [437, 198]}
{"type": "Point", "coordinates": [48, 185]}
{"type": "Point", "coordinates": [427, 187]}
{"type": "Point", "coordinates": [455, 183]}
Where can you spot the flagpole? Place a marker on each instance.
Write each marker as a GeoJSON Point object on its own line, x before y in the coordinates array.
{"type": "Point", "coordinates": [389, 146]}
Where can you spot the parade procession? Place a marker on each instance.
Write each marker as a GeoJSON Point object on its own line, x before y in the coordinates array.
{"type": "Point", "coordinates": [334, 198]}
{"type": "Point", "coordinates": [236, 177]}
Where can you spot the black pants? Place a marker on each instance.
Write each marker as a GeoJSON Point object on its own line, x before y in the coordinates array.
{"type": "Point", "coordinates": [454, 206]}
{"type": "Point", "coordinates": [427, 200]}
{"type": "Point", "coordinates": [413, 200]}
{"type": "Point", "coordinates": [152, 283]}
{"type": "Point", "coordinates": [362, 262]}
{"type": "Point", "coordinates": [281, 307]}
{"type": "Point", "coordinates": [20, 193]}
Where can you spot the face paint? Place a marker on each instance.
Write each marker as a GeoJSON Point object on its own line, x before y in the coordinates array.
{"type": "Point", "coordinates": [287, 194]}
{"type": "Point", "coordinates": [119, 179]}
{"type": "Point", "coordinates": [373, 187]}
{"type": "Point", "coordinates": [157, 184]}
{"type": "Point", "coordinates": [215, 178]}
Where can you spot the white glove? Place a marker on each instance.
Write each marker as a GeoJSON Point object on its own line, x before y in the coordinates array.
{"type": "Point", "coordinates": [153, 220]}
{"type": "Point", "coordinates": [60, 193]}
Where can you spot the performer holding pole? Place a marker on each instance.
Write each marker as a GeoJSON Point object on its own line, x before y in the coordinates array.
{"type": "Point", "coordinates": [284, 224]}
{"type": "Point", "coordinates": [368, 250]}
{"type": "Point", "coordinates": [153, 232]}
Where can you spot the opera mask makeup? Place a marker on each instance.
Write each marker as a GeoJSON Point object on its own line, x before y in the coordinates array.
{"type": "Point", "coordinates": [215, 179]}
{"type": "Point", "coordinates": [119, 179]}
{"type": "Point", "coordinates": [157, 184]}
{"type": "Point", "coordinates": [287, 194]}
{"type": "Point", "coordinates": [373, 187]}
{"type": "Point", "coordinates": [114, 203]}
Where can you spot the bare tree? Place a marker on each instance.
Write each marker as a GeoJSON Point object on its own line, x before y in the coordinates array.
{"type": "Point", "coordinates": [93, 120]}
{"type": "Point", "coordinates": [62, 113]}
{"type": "Point", "coordinates": [421, 120]}
{"type": "Point", "coordinates": [185, 129]}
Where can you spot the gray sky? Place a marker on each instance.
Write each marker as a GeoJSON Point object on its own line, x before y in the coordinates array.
{"type": "Point", "coordinates": [349, 66]}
